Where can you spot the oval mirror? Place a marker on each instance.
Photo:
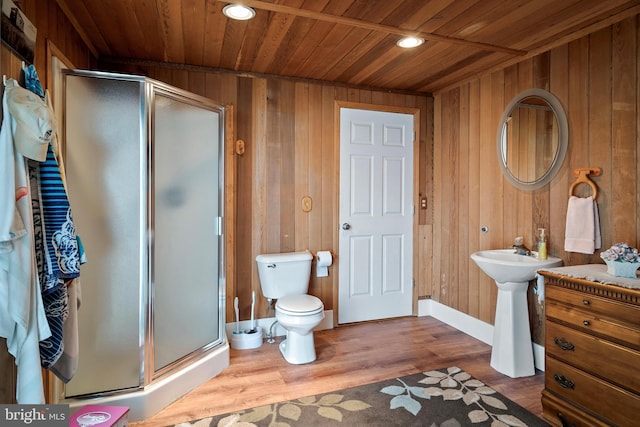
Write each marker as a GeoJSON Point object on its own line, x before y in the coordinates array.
{"type": "Point", "coordinates": [532, 139]}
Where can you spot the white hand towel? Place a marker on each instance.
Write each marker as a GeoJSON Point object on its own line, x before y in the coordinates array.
{"type": "Point", "coordinates": [596, 215]}
{"type": "Point", "coordinates": [540, 287]}
{"type": "Point", "coordinates": [582, 232]}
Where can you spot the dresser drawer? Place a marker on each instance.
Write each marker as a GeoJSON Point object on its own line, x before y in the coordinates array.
{"type": "Point", "coordinates": [596, 323]}
{"type": "Point", "coordinates": [625, 313]}
{"type": "Point", "coordinates": [610, 402]}
{"type": "Point", "coordinates": [563, 414]}
{"type": "Point", "coordinates": [598, 357]}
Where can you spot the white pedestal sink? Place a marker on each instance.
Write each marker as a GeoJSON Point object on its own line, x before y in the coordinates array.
{"type": "Point", "coordinates": [512, 352]}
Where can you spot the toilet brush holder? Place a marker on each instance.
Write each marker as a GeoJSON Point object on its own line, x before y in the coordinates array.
{"type": "Point", "coordinates": [245, 340]}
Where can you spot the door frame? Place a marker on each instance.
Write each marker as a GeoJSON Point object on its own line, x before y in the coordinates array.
{"type": "Point", "coordinates": [416, 174]}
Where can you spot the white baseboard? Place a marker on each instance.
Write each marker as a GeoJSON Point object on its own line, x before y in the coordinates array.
{"type": "Point", "coordinates": [469, 325]}
{"type": "Point", "coordinates": [538, 356]}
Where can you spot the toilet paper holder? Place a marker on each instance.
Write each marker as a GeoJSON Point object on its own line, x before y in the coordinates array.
{"type": "Point", "coordinates": [324, 259]}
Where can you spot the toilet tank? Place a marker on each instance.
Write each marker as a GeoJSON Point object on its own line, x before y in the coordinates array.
{"type": "Point", "coordinates": [284, 274]}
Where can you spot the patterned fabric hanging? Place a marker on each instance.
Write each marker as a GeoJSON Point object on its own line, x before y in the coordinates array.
{"type": "Point", "coordinates": [57, 252]}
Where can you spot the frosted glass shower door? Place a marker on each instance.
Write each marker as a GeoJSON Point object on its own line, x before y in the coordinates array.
{"type": "Point", "coordinates": [186, 245]}
{"type": "Point", "coordinates": [104, 166]}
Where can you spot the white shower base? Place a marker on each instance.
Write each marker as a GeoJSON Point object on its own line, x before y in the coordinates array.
{"type": "Point", "coordinates": [148, 401]}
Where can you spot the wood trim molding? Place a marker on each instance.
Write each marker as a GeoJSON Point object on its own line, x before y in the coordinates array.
{"type": "Point", "coordinates": [616, 293]}
{"type": "Point", "coordinates": [83, 35]}
{"type": "Point", "coordinates": [376, 107]}
{"type": "Point", "coordinates": [230, 207]}
{"type": "Point", "coordinates": [105, 62]}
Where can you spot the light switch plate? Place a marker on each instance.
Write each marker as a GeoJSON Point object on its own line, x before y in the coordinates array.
{"type": "Point", "coordinates": [306, 204]}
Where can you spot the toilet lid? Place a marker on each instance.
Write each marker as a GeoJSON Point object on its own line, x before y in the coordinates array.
{"type": "Point", "coordinates": [300, 304]}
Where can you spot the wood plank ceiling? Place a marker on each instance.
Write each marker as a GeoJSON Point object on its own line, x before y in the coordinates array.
{"type": "Point", "coordinates": [347, 41]}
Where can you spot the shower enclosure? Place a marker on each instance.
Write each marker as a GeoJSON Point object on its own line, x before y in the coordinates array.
{"type": "Point", "coordinates": [144, 166]}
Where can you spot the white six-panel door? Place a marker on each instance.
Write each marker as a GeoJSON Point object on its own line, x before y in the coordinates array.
{"type": "Point", "coordinates": [376, 215]}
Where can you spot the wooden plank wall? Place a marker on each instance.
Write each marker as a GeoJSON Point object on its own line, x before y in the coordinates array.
{"type": "Point", "coordinates": [597, 80]}
{"type": "Point", "coordinates": [290, 152]}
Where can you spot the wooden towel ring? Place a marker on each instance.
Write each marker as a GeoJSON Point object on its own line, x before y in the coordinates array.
{"type": "Point", "coordinates": [583, 177]}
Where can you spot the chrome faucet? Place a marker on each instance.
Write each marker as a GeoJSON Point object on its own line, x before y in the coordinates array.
{"type": "Point", "coordinates": [520, 248]}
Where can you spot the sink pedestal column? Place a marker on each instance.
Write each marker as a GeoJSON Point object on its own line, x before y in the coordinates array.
{"type": "Point", "coordinates": [512, 352]}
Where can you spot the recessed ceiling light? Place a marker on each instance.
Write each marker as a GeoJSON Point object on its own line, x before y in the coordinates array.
{"type": "Point", "coordinates": [238, 12]}
{"type": "Point", "coordinates": [409, 42]}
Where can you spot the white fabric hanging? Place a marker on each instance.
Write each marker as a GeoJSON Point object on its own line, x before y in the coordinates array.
{"type": "Point", "coordinates": [22, 319]}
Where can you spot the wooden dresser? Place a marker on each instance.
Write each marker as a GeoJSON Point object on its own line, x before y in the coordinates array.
{"type": "Point", "coordinates": [592, 346]}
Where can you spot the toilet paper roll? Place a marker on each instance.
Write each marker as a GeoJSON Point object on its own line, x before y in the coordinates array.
{"type": "Point", "coordinates": [324, 260]}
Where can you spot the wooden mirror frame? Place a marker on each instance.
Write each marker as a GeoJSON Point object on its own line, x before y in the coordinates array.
{"type": "Point", "coordinates": [563, 139]}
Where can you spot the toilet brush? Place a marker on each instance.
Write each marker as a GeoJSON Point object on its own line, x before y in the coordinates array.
{"type": "Point", "coordinates": [235, 305]}
{"type": "Point", "coordinates": [252, 329]}
{"type": "Point", "coordinates": [249, 338]}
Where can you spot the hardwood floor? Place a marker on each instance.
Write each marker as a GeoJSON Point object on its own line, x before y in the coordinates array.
{"type": "Point", "coordinates": [347, 356]}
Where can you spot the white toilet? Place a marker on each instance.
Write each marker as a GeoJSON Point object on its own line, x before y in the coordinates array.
{"type": "Point", "coordinates": [285, 277]}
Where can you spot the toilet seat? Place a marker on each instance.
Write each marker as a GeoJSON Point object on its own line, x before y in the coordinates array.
{"type": "Point", "coordinates": [299, 305]}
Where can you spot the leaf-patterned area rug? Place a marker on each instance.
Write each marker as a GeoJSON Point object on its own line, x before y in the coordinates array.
{"type": "Point", "coordinates": [441, 398]}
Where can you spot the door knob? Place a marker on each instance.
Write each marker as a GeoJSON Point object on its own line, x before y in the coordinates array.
{"type": "Point", "coordinates": [346, 226]}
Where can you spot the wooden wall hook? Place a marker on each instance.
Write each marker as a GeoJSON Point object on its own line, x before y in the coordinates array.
{"type": "Point", "coordinates": [596, 171]}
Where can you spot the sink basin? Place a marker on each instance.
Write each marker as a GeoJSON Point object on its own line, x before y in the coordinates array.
{"type": "Point", "coordinates": [503, 265]}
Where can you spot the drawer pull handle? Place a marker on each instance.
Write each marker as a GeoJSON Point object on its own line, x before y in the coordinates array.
{"type": "Point", "coordinates": [585, 302]}
{"type": "Point", "coordinates": [564, 381]}
{"type": "Point", "coordinates": [586, 323]}
{"type": "Point", "coordinates": [564, 421]}
{"type": "Point", "coordinates": [564, 344]}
